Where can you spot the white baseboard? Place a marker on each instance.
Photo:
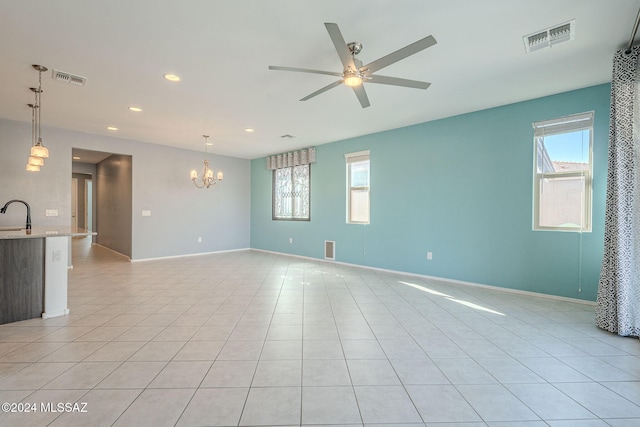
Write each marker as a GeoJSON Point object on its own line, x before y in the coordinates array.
{"type": "Point", "coordinates": [188, 255]}
{"type": "Point", "coordinates": [441, 279]}
{"type": "Point", "coordinates": [48, 315]}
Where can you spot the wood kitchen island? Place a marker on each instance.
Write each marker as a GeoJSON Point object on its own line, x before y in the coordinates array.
{"type": "Point", "coordinates": [33, 272]}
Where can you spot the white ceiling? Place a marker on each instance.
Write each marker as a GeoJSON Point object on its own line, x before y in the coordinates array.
{"type": "Point", "coordinates": [222, 49]}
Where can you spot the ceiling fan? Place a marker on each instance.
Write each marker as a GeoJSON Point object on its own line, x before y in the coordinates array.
{"type": "Point", "coordinates": [355, 74]}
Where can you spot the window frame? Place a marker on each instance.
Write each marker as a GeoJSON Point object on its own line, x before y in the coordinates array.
{"type": "Point", "coordinates": [559, 126]}
{"type": "Point", "coordinates": [274, 217]}
{"type": "Point", "coordinates": [350, 159]}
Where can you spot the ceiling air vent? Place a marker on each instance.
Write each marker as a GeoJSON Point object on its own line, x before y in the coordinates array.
{"type": "Point", "coordinates": [65, 77]}
{"type": "Point", "coordinates": [549, 37]}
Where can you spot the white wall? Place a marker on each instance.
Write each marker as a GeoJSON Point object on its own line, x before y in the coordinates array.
{"type": "Point", "coordinates": [180, 213]}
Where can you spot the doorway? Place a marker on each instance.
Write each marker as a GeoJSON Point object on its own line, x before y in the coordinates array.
{"type": "Point", "coordinates": [82, 200]}
{"type": "Point", "coordinates": [88, 204]}
{"type": "Point", "coordinates": [104, 197]}
{"type": "Point", "coordinates": [74, 202]}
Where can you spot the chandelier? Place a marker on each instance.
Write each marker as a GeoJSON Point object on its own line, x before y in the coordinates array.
{"type": "Point", "coordinates": [38, 151]}
{"type": "Point", "coordinates": [206, 178]}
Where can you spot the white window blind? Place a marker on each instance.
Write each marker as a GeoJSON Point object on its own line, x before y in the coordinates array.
{"type": "Point", "coordinates": [360, 156]}
{"type": "Point", "coordinates": [565, 124]}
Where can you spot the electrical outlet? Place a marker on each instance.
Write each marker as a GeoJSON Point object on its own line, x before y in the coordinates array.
{"type": "Point", "coordinates": [429, 256]}
{"type": "Point", "coordinates": [199, 239]}
{"type": "Point", "coordinates": [51, 212]}
{"type": "Point", "coordinates": [146, 212]}
{"type": "Point", "coordinates": [290, 239]}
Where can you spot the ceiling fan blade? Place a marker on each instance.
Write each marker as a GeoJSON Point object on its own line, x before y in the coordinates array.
{"type": "Point", "coordinates": [340, 45]}
{"type": "Point", "coordinates": [324, 89]}
{"type": "Point", "coordinates": [304, 70]}
{"type": "Point", "coordinates": [398, 82]}
{"type": "Point", "coordinates": [399, 54]}
{"type": "Point", "coordinates": [362, 96]}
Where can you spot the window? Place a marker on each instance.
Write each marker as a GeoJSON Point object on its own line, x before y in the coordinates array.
{"type": "Point", "coordinates": [291, 184]}
{"type": "Point", "coordinates": [291, 193]}
{"type": "Point", "coordinates": [563, 170]}
{"type": "Point", "coordinates": [358, 187]}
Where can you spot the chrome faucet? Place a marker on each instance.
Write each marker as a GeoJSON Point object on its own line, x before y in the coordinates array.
{"type": "Point", "coordinates": [4, 210]}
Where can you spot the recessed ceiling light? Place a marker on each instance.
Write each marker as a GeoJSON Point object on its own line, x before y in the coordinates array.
{"type": "Point", "coordinates": [249, 130]}
{"type": "Point", "coordinates": [172, 77]}
{"type": "Point", "coordinates": [112, 128]}
{"type": "Point", "coordinates": [135, 109]}
{"type": "Point", "coordinates": [76, 158]}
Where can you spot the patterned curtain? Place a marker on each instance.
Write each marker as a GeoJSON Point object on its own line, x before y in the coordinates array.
{"type": "Point", "coordinates": [618, 303]}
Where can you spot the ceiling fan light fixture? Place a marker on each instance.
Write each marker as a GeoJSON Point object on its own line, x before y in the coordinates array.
{"type": "Point", "coordinates": [352, 79]}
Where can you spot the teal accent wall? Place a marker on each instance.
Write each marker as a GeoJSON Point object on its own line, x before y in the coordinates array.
{"type": "Point", "coordinates": [459, 187]}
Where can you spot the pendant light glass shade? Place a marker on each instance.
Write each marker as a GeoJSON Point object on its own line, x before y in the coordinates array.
{"type": "Point", "coordinates": [40, 150]}
{"type": "Point", "coordinates": [36, 161]}
{"type": "Point", "coordinates": [33, 168]}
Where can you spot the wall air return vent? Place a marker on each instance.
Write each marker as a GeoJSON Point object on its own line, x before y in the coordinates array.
{"type": "Point", "coordinates": [65, 77]}
{"type": "Point", "coordinates": [330, 249]}
{"type": "Point", "coordinates": [549, 37]}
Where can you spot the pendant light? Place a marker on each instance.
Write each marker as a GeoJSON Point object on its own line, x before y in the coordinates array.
{"type": "Point", "coordinates": [38, 151]}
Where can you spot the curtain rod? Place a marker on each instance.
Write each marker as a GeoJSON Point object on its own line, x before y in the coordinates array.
{"type": "Point", "coordinates": [633, 34]}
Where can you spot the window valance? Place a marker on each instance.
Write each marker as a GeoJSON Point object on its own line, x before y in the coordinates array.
{"type": "Point", "coordinates": [292, 158]}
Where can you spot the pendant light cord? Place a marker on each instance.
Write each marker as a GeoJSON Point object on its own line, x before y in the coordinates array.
{"type": "Point", "coordinates": [39, 103]}
{"type": "Point", "coordinates": [33, 121]}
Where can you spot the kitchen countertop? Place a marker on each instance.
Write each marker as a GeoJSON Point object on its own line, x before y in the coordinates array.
{"type": "Point", "coordinates": [40, 232]}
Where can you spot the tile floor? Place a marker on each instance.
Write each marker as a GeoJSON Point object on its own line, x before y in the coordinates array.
{"type": "Point", "coordinates": [253, 338]}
